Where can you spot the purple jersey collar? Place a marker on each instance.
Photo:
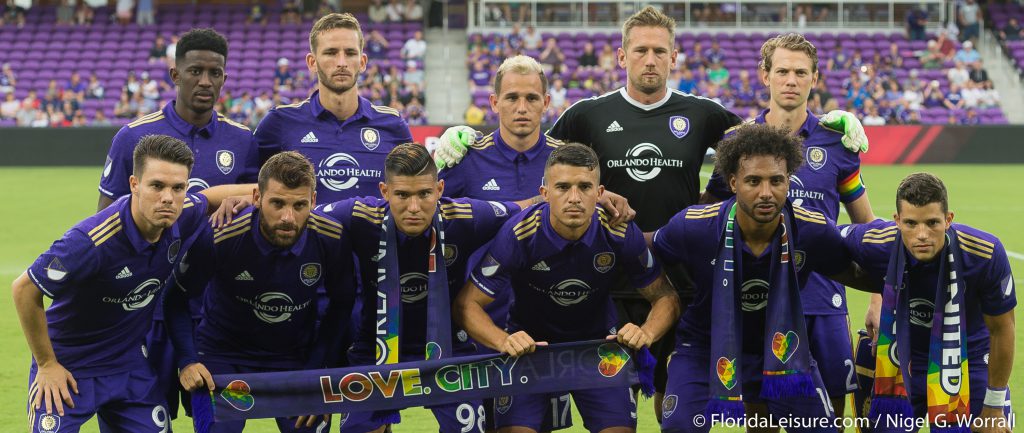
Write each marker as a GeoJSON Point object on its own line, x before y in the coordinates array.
{"type": "Point", "coordinates": [810, 124]}
{"type": "Point", "coordinates": [550, 242]}
{"type": "Point", "coordinates": [186, 129]}
{"type": "Point", "coordinates": [132, 231]}
{"type": "Point", "coordinates": [265, 246]}
{"type": "Point", "coordinates": [511, 154]}
{"type": "Point", "coordinates": [320, 112]}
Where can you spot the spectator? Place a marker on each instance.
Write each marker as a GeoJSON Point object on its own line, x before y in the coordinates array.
{"type": "Point", "coordinates": [1011, 31]}
{"type": "Point", "coordinates": [990, 97]}
{"type": "Point", "coordinates": [378, 11]}
{"type": "Point", "coordinates": [917, 19]}
{"type": "Point", "coordinates": [52, 97]}
{"type": "Point", "coordinates": [931, 57]}
{"type": "Point", "coordinates": [159, 50]}
{"type": "Point", "coordinates": [515, 38]}
{"type": "Point", "coordinates": [971, 118]}
{"type": "Point", "coordinates": [414, 114]}
{"type": "Point", "coordinates": [150, 93]}
{"type": "Point", "coordinates": [696, 60]}
{"type": "Point", "coordinates": [893, 59]}
{"type": "Point", "coordinates": [65, 12]}
{"type": "Point", "coordinates": [718, 74]}
{"type": "Point", "coordinates": [123, 11]}
{"type": "Point", "coordinates": [284, 80]}
{"type": "Point", "coordinates": [94, 89]}
{"type": "Point", "coordinates": [474, 115]}
{"type": "Point", "coordinates": [687, 83]}
{"type": "Point", "coordinates": [172, 49]}
{"type": "Point", "coordinates": [972, 93]}
{"type": "Point", "coordinates": [256, 13]}
{"type": "Point", "coordinates": [42, 120]}
{"type": "Point", "coordinates": [29, 107]}
{"type": "Point", "coordinates": [912, 95]}
{"type": "Point", "coordinates": [977, 73]}
{"type": "Point", "coordinates": [415, 48]}
{"type": "Point", "coordinates": [872, 118]}
{"type": "Point", "coordinates": [552, 57]}
{"type": "Point", "coordinates": [412, 75]}
{"type": "Point", "coordinates": [588, 58]}
{"type": "Point", "coordinates": [86, 11]}
{"type": "Point", "coordinates": [958, 74]}
{"type": "Point", "coordinates": [144, 14]}
{"type": "Point", "coordinates": [19, 9]}
{"type": "Point", "coordinates": [967, 20]}
{"type": "Point", "coordinates": [413, 94]}
{"type": "Point", "coordinates": [913, 118]}
{"type": "Point", "coordinates": [479, 78]}
{"type": "Point", "coordinates": [532, 39]}
{"type": "Point", "coordinates": [9, 108]}
{"type": "Point", "coordinates": [933, 97]}
{"type": "Point", "coordinates": [967, 54]}
{"type": "Point", "coordinates": [101, 119]}
{"type": "Point", "coordinates": [7, 79]}
{"type": "Point", "coordinates": [954, 100]}
{"type": "Point", "coordinates": [377, 46]}
{"type": "Point", "coordinates": [856, 95]}
{"type": "Point", "coordinates": [395, 11]}
{"type": "Point", "coordinates": [76, 87]}
{"type": "Point", "coordinates": [290, 12]}
{"type": "Point", "coordinates": [68, 113]}
{"type": "Point", "coordinates": [714, 54]}
{"type": "Point", "coordinates": [607, 60]}
{"type": "Point", "coordinates": [839, 62]}
{"type": "Point", "coordinates": [413, 11]}
{"type": "Point", "coordinates": [946, 46]}
{"type": "Point", "coordinates": [558, 94]}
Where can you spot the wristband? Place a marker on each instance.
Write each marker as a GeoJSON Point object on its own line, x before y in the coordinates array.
{"type": "Point", "coordinates": [995, 397]}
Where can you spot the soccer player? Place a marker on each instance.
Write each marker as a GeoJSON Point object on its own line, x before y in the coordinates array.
{"type": "Point", "coordinates": [560, 258]}
{"type": "Point", "coordinates": [105, 277]}
{"type": "Point", "coordinates": [412, 248]}
{"type": "Point", "coordinates": [345, 136]}
{"type": "Point", "coordinates": [733, 351]}
{"type": "Point", "coordinates": [949, 296]}
{"type": "Point", "coordinates": [830, 176]}
{"type": "Point", "coordinates": [223, 148]}
{"type": "Point", "coordinates": [264, 271]}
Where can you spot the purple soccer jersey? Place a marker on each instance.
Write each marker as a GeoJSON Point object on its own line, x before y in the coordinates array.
{"type": "Point", "coordinates": [692, 237]}
{"type": "Point", "coordinates": [348, 155]}
{"type": "Point", "coordinates": [259, 304]}
{"type": "Point", "coordinates": [105, 280]}
{"type": "Point", "coordinates": [492, 170]}
{"type": "Point", "coordinates": [830, 176]}
{"type": "Point", "coordinates": [988, 281]}
{"type": "Point", "coordinates": [561, 287]}
{"type": "Point", "coordinates": [223, 151]}
{"type": "Point", "coordinates": [467, 224]}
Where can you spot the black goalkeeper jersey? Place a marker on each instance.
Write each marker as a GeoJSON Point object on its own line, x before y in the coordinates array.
{"type": "Point", "coordinates": [650, 154]}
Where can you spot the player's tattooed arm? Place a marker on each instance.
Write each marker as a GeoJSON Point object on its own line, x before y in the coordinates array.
{"type": "Point", "coordinates": [215, 196]}
{"type": "Point", "coordinates": [665, 311]}
{"type": "Point", "coordinates": [523, 204]}
{"type": "Point", "coordinates": [54, 383]}
{"type": "Point", "coordinates": [1001, 329]}
{"type": "Point", "coordinates": [854, 276]}
{"type": "Point", "coordinates": [470, 315]}
{"type": "Point", "coordinates": [617, 206]}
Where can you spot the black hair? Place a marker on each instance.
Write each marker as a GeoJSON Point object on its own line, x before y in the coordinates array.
{"type": "Point", "coordinates": [290, 168]}
{"type": "Point", "coordinates": [922, 189]}
{"type": "Point", "coordinates": [409, 159]}
{"type": "Point", "coordinates": [758, 140]}
{"type": "Point", "coordinates": [201, 39]}
{"type": "Point", "coordinates": [162, 148]}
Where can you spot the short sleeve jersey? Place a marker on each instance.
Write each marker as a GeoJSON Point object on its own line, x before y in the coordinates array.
{"type": "Point", "coordinates": [988, 281]}
{"type": "Point", "coordinates": [692, 238]}
{"type": "Point", "coordinates": [467, 224]}
{"type": "Point", "coordinates": [348, 155]}
{"type": "Point", "coordinates": [492, 170]}
{"type": "Point", "coordinates": [260, 304]}
{"type": "Point", "coordinates": [105, 280]}
{"type": "Point", "coordinates": [561, 287]}
{"type": "Point", "coordinates": [650, 154]}
{"type": "Point", "coordinates": [830, 176]}
{"type": "Point", "coordinates": [223, 151]}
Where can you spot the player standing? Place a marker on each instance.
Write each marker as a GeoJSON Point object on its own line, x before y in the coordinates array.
{"type": "Point", "coordinates": [343, 134]}
{"type": "Point", "coordinates": [559, 258]}
{"type": "Point", "coordinates": [949, 296]}
{"type": "Point", "coordinates": [104, 275]}
{"type": "Point", "coordinates": [735, 354]}
{"type": "Point", "coordinates": [830, 176]}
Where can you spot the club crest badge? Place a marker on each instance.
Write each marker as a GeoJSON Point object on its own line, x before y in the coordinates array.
{"type": "Point", "coordinates": [799, 257]}
{"type": "Point", "coordinates": [172, 251]}
{"type": "Point", "coordinates": [679, 125]}
{"type": "Point", "coordinates": [816, 157]}
{"type": "Point", "coordinates": [49, 423]}
{"type": "Point", "coordinates": [503, 404]}
{"type": "Point", "coordinates": [603, 262]}
{"type": "Point", "coordinates": [668, 405]}
{"type": "Point", "coordinates": [225, 161]}
{"type": "Point", "coordinates": [451, 252]}
{"type": "Point", "coordinates": [309, 273]}
{"type": "Point", "coordinates": [370, 138]}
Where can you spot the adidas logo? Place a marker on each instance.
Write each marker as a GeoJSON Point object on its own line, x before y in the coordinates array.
{"type": "Point", "coordinates": [244, 276]}
{"type": "Point", "coordinates": [310, 138]}
{"type": "Point", "coordinates": [491, 185]}
{"type": "Point", "coordinates": [125, 273]}
{"type": "Point", "coordinates": [614, 127]}
{"type": "Point", "coordinates": [541, 266]}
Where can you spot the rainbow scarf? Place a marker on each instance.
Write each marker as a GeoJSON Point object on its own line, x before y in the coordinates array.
{"type": "Point", "coordinates": [786, 370]}
{"type": "Point", "coordinates": [389, 293]}
{"type": "Point", "coordinates": [948, 382]}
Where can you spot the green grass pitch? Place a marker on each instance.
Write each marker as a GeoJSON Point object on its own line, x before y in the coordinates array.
{"type": "Point", "coordinates": [41, 203]}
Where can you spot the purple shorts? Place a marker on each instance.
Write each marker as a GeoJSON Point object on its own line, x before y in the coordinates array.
{"type": "Point", "coordinates": [284, 424]}
{"type": "Point", "coordinates": [126, 402]}
{"type": "Point", "coordinates": [599, 408]}
{"type": "Point", "coordinates": [687, 394]}
{"type": "Point", "coordinates": [832, 349]}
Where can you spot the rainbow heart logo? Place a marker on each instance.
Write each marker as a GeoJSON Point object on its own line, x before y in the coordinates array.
{"type": "Point", "coordinates": [613, 358]}
{"type": "Point", "coordinates": [726, 369]}
{"type": "Point", "coordinates": [784, 345]}
{"type": "Point", "coordinates": [238, 395]}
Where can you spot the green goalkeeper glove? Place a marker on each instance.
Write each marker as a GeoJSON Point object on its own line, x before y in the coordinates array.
{"type": "Point", "coordinates": [452, 146]}
{"type": "Point", "coordinates": [854, 138]}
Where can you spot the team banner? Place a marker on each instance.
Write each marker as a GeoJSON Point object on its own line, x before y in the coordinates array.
{"type": "Point", "coordinates": [557, 367]}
